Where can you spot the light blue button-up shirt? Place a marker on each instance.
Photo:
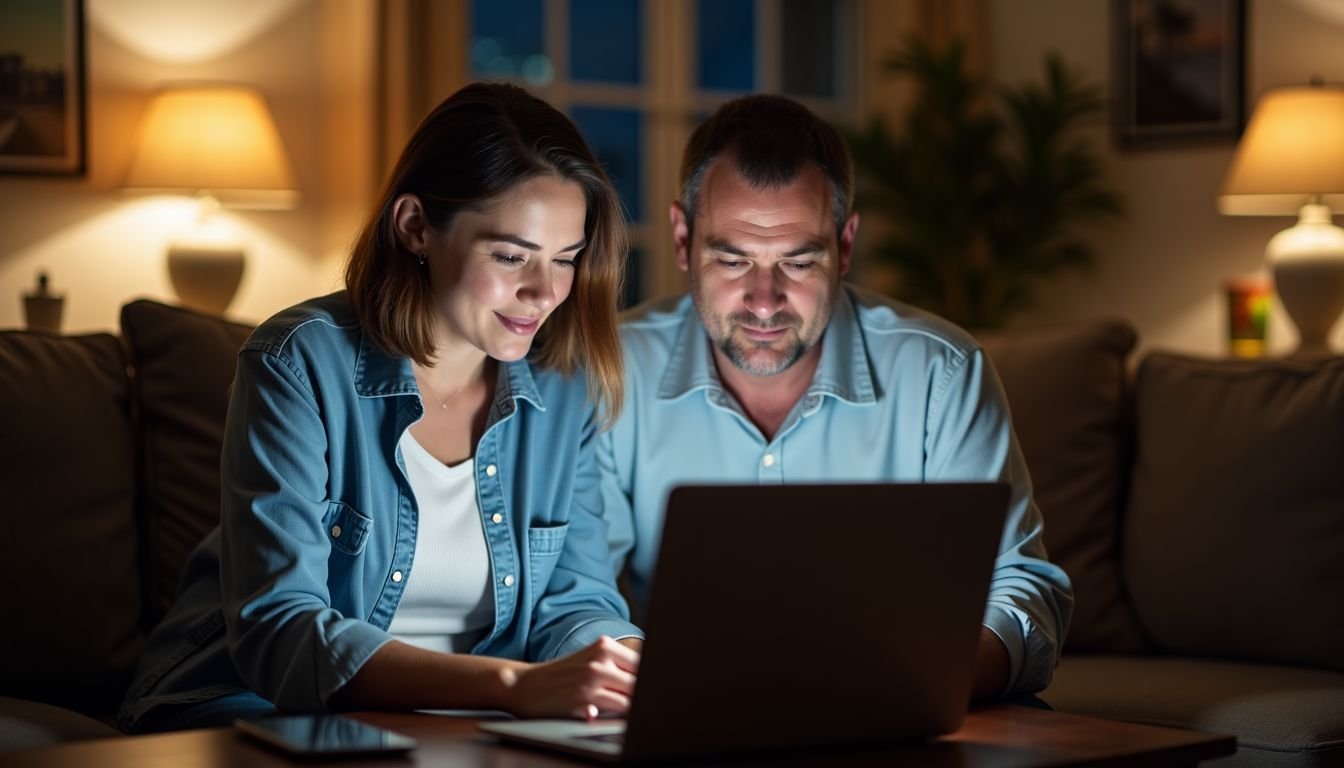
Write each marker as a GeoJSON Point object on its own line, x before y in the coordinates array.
{"type": "Point", "coordinates": [296, 588]}
{"type": "Point", "coordinates": [898, 395]}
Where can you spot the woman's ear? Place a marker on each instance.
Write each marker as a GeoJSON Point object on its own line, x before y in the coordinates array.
{"type": "Point", "coordinates": [410, 223]}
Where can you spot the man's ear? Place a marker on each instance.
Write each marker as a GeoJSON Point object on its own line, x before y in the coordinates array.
{"type": "Point", "coordinates": [847, 235]}
{"type": "Point", "coordinates": [681, 235]}
{"type": "Point", "coordinates": [410, 223]}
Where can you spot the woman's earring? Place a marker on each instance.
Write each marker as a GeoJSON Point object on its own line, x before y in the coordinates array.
{"type": "Point", "coordinates": [420, 259]}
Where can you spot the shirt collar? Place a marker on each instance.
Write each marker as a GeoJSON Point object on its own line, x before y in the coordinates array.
{"type": "Point", "coordinates": [844, 371]}
{"type": "Point", "coordinates": [378, 374]}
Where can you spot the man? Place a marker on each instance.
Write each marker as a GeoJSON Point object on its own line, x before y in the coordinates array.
{"type": "Point", "coordinates": [773, 371]}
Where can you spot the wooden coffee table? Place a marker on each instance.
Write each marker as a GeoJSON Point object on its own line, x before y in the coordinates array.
{"type": "Point", "coordinates": [997, 736]}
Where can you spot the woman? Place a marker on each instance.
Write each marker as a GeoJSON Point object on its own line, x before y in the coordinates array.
{"type": "Point", "coordinates": [408, 505]}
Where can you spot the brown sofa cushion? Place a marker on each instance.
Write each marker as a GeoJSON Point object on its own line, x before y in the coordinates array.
{"type": "Point", "coordinates": [184, 363]}
{"type": "Point", "coordinates": [72, 596]}
{"type": "Point", "coordinates": [1234, 542]}
{"type": "Point", "coordinates": [1280, 715]}
{"type": "Point", "coordinates": [1066, 389]}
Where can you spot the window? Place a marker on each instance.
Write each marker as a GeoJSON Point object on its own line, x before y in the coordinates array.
{"type": "Point", "coordinates": [637, 75]}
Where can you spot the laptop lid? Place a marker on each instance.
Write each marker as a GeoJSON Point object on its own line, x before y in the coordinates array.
{"type": "Point", "coordinates": [803, 616]}
{"type": "Point", "coordinates": [809, 615]}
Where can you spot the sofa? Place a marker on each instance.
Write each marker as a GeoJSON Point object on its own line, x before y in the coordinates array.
{"type": "Point", "coordinates": [109, 454]}
{"type": "Point", "coordinates": [1198, 506]}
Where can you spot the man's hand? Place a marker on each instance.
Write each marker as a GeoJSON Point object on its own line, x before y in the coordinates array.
{"type": "Point", "coordinates": [991, 666]}
{"type": "Point", "coordinates": [595, 681]}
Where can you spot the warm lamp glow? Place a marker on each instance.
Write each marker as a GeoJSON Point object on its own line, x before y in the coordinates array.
{"type": "Point", "coordinates": [217, 140]}
{"type": "Point", "coordinates": [220, 143]}
{"type": "Point", "coordinates": [1291, 160]}
{"type": "Point", "coordinates": [1293, 150]}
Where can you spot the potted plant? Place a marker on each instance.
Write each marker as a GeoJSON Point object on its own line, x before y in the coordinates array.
{"type": "Point", "coordinates": [983, 190]}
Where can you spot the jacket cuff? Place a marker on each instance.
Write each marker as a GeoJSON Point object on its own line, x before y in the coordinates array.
{"type": "Point", "coordinates": [350, 649]}
{"type": "Point", "coordinates": [585, 633]}
{"type": "Point", "coordinates": [1007, 625]}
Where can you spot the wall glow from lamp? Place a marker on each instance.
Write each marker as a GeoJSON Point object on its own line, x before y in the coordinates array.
{"type": "Point", "coordinates": [182, 33]}
{"type": "Point", "coordinates": [220, 143]}
{"type": "Point", "coordinates": [1291, 160]}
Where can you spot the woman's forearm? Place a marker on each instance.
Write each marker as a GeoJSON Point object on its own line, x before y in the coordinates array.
{"type": "Point", "coordinates": [400, 677]}
{"type": "Point", "coordinates": [596, 680]}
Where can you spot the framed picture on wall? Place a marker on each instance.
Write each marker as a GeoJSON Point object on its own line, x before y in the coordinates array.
{"type": "Point", "coordinates": [42, 86]}
{"type": "Point", "coordinates": [1179, 71]}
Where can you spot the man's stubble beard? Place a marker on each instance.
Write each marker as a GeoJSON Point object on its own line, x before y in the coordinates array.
{"type": "Point", "coordinates": [740, 355]}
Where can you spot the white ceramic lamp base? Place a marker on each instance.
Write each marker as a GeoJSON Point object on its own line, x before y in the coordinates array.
{"type": "Point", "coordinates": [1308, 264]}
{"type": "Point", "coordinates": [205, 277]}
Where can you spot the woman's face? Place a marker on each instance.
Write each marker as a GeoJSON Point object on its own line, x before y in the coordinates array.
{"type": "Point", "coordinates": [498, 273]}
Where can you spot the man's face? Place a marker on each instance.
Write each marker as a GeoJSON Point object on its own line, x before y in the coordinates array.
{"type": "Point", "coordinates": [764, 265]}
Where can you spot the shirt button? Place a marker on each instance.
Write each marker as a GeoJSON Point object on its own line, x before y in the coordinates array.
{"type": "Point", "coordinates": [508, 581]}
{"type": "Point", "coordinates": [396, 576]}
{"type": "Point", "coordinates": [496, 518]}
{"type": "Point", "coordinates": [769, 460]}
{"type": "Point", "coordinates": [335, 531]}
{"type": "Point", "coordinates": [490, 470]}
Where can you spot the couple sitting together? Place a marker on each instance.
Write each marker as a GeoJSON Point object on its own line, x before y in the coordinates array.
{"type": "Point", "coordinates": [432, 479]}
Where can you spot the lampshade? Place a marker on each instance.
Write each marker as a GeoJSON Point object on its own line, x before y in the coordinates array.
{"type": "Point", "coordinates": [1291, 160]}
{"type": "Point", "coordinates": [220, 143]}
{"type": "Point", "coordinates": [218, 140]}
{"type": "Point", "coordinates": [1292, 152]}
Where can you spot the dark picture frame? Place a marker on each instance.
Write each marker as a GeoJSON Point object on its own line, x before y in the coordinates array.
{"type": "Point", "coordinates": [1179, 72]}
{"type": "Point", "coordinates": [42, 87]}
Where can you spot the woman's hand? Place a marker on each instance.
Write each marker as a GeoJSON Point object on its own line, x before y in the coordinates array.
{"type": "Point", "coordinates": [597, 680]}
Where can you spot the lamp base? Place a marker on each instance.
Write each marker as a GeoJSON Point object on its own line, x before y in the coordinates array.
{"type": "Point", "coordinates": [205, 277]}
{"type": "Point", "coordinates": [1312, 292]}
{"type": "Point", "coordinates": [1308, 264]}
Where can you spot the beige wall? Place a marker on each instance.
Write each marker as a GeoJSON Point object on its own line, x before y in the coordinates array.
{"type": "Point", "coordinates": [103, 248]}
{"type": "Point", "coordinates": [1162, 266]}
{"type": "Point", "coordinates": [315, 60]}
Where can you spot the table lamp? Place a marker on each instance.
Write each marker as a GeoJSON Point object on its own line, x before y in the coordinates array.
{"type": "Point", "coordinates": [1291, 160]}
{"type": "Point", "coordinates": [220, 143]}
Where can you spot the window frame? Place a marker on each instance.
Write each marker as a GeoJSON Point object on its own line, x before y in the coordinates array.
{"type": "Point", "coordinates": [669, 101]}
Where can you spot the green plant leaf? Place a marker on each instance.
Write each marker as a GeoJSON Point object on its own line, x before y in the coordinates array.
{"type": "Point", "coordinates": [984, 187]}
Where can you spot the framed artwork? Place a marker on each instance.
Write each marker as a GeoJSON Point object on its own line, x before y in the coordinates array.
{"type": "Point", "coordinates": [42, 86]}
{"type": "Point", "coordinates": [1179, 71]}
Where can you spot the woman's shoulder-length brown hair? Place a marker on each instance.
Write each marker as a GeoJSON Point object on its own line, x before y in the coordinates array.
{"type": "Point", "coordinates": [477, 144]}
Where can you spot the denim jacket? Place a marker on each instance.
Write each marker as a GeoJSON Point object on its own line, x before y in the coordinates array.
{"type": "Point", "coordinates": [295, 589]}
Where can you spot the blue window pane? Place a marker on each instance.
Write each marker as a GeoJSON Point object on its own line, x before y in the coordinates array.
{"type": "Point", "coordinates": [606, 41]}
{"type": "Point", "coordinates": [617, 137]}
{"type": "Point", "coordinates": [507, 40]}
{"type": "Point", "coordinates": [726, 31]}
{"type": "Point", "coordinates": [808, 47]}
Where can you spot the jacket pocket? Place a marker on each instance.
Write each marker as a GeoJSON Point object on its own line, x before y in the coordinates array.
{"type": "Point", "coordinates": [347, 530]}
{"type": "Point", "coordinates": [544, 546]}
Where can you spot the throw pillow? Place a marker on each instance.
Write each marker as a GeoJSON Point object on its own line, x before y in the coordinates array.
{"type": "Point", "coordinates": [1234, 542]}
{"type": "Point", "coordinates": [72, 592]}
{"type": "Point", "coordinates": [1066, 389]}
{"type": "Point", "coordinates": [184, 363]}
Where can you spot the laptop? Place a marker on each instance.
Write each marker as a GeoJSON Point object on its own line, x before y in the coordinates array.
{"type": "Point", "coordinates": [798, 616]}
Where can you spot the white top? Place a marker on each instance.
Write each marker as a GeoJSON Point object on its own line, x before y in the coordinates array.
{"type": "Point", "coordinates": [448, 604]}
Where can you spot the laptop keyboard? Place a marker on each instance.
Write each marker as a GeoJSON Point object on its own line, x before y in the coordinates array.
{"type": "Point", "coordinates": [610, 738]}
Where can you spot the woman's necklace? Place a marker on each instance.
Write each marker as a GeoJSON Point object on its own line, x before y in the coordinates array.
{"type": "Point", "coordinates": [443, 403]}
